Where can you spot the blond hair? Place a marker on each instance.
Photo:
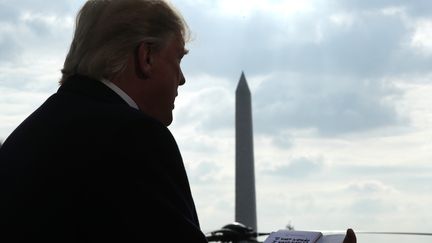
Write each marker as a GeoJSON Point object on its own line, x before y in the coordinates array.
{"type": "Point", "coordinates": [108, 31]}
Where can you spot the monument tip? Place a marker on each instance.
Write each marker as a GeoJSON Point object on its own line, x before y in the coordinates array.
{"type": "Point", "coordinates": [242, 84]}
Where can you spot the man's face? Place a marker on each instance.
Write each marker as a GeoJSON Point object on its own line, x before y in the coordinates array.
{"type": "Point", "coordinates": [165, 77]}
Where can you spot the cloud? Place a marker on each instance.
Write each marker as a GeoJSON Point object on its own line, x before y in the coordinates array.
{"type": "Point", "coordinates": [330, 105]}
{"type": "Point", "coordinates": [206, 103]}
{"type": "Point", "coordinates": [416, 8]}
{"type": "Point", "coordinates": [328, 41]}
{"type": "Point", "coordinates": [9, 12]}
{"type": "Point", "coordinates": [10, 49]}
{"type": "Point", "coordinates": [15, 106]}
{"type": "Point", "coordinates": [60, 7]}
{"type": "Point", "coordinates": [328, 65]}
{"type": "Point", "coordinates": [296, 168]}
{"type": "Point", "coordinates": [392, 171]}
{"type": "Point", "coordinates": [373, 206]}
{"type": "Point", "coordinates": [282, 140]}
{"type": "Point", "coordinates": [204, 172]}
{"type": "Point", "coordinates": [370, 187]}
{"type": "Point", "coordinates": [34, 27]}
{"type": "Point", "coordinates": [285, 101]}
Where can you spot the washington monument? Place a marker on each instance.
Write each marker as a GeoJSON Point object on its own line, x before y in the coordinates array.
{"type": "Point", "coordinates": [245, 203]}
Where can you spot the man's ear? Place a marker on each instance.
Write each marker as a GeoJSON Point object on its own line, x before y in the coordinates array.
{"type": "Point", "coordinates": [143, 60]}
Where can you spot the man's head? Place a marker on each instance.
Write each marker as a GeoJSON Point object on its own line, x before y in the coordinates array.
{"type": "Point", "coordinates": [108, 31]}
{"type": "Point", "coordinates": [137, 45]}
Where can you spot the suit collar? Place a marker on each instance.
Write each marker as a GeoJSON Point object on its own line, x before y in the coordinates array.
{"type": "Point", "coordinates": [90, 88]}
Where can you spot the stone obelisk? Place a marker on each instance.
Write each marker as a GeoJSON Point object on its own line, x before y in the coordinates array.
{"type": "Point", "coordinates": [245, 202]}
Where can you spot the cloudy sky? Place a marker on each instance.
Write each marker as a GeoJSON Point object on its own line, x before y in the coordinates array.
{"type": "Point", "coordinates": [341, 104]}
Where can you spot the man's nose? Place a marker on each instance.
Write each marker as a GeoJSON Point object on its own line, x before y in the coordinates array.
{"type": "Point", "coordinates": [182, 78]}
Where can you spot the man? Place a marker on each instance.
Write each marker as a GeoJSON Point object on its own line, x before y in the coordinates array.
{"type": "Point", "coordinates": [96, 162]}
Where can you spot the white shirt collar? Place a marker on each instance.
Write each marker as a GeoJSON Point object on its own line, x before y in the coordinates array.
{"type": "Point", "coordinates": [121, 93]}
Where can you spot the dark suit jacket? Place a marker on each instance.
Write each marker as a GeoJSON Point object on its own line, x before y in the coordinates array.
{"type": "Point", "coordinates": [86, 167]}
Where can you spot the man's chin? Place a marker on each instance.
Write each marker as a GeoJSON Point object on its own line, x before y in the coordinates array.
{"type": "Point", "coordinates": [168, 120]}
{"type": "Point", "coordinates": [168, 123]}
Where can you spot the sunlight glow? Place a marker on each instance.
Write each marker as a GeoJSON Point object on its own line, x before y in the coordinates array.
{"type": "Point", "coordinates": [422, 38]}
